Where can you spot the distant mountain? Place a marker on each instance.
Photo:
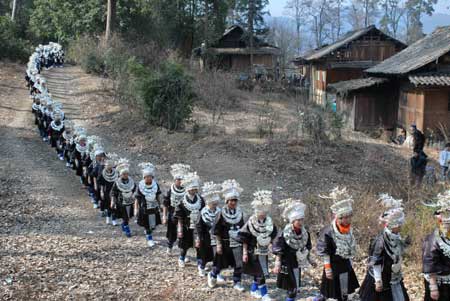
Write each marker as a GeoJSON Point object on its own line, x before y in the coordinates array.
{"type": "Point", "coordinates": [430, 23]}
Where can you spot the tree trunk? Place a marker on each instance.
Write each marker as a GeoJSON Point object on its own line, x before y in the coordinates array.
{"type": "Point", "coordinates": [14, 10]}
{"type": "Point", "coordinates": [110, 12]}
{"type": "Point", "coordinates": [251, 14]}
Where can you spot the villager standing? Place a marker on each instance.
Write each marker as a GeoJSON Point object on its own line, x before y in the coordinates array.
{"type": "Point", "coordinates": [444, 162]}
{"type": "Point", "coordinates": [384, 278]}
{"type": "Point", "coordinates": [418, 164]}
{"type": "Point", "coordinates": [336, 246]}
{"type": "Point", "coordinates": [291, 247]}
{"type": "Point", "coordinates": [418, 139]}
{"type": "Point", "coordinates": [256, 236]}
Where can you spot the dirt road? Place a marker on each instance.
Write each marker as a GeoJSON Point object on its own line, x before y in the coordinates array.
{"type": "Point", "coordinates": [54, 245]}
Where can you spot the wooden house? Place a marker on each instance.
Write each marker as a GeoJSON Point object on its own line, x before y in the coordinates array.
{"type": "Point", "coordinates": [366, 103]}
{"type": "Point", "coordinates": [347, 59]}
{"type": "Point", "coordinates": [421, 75]}
{"type": "Point", "coordinates": [232, 52]}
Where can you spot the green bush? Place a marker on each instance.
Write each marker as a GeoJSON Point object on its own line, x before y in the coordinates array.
{"type": "Point", "coordinates": [11, 45]}
{"type": "Point", "coordinates": [167, 95]}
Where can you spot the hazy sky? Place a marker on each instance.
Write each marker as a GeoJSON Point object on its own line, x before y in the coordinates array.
{"type": "Point", "coordinates": [276, 7]}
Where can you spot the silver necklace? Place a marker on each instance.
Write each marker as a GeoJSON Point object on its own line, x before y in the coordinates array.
{"type": "Point", "coordinates": [176, 195]}
{"type": "Point", "coordinates": [109, 176]}
{"type": "Point", "coordinates": [345, 243]}
{"type": "Point", "coordinates": [230, 217]}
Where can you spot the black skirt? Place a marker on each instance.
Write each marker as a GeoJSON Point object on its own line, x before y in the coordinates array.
{"type": "Point", "coordinates": [286, 278]}
{"type": "Point", "coordinates": [205, 252]}
{"type": "Point", "coordinates": [121, 211]}
{"type": "Point", "coordinates": [444, 292]}
{"type": "Point", "coordinates": [143, 217]}
{"type": "Point", "coordinates": [187, 241]}
{"type": "Point", "coordinates": [332, 288]}
{"type": "Point", "coordinates": [367, 291]}
{"type": "Point", "coordinates": [171, 232]}
{"type": "Point", "coordinates": [252, 267]}
{"type": "Point", "coordinates": [226, 259]}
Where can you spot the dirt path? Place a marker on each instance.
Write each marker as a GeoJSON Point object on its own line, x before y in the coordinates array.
{"type": "Point", "coordinates": [53, 244]}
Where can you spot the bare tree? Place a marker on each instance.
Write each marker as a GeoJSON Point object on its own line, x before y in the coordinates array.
{"type": "Point", "coordinates": [14, 9]}
{"type": "Point", "coordinates": [284, 37]}
{"type": "Point", "coordinates": [320, 19]}
{"type": "Point", "coordinates": [251, 17]}
{"type": "Point", "coordinates": [362, 13]}
{"type": "Point", "coordinates": [299, 10]}
{"type": "Point", "coordinates": [355, 16]}
{"type": "Point", "coordinates": [110, 14]}
{"type": "Point", "coordinates": [393, 11]}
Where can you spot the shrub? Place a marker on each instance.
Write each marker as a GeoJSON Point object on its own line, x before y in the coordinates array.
{"type": "Point", "coordinates": [167, 95]}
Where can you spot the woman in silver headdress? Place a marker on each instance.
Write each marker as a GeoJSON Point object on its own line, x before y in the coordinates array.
{"type": "Point", "coordinates": [122, 195]}
{"type": "Point", "coordinates": [228, 247]}
{"type": "Point", "coordinates": [106, 179]}
{"type": "Point", "coordinates": [187, 214]}
{"type": "Point", "coordinates": [172, 199]}
{"type": "Point", "coordinates": [291, 247]}
{"type": "Point", "coordinates": [147, 202]}
{"type": "Point", "coordinates": [337, 247]}
{"type": "Point", "coordinates": [205, 240]}
{"type": "Point", "coordinates": [436, 254]}
{"type": "Point", "coordinates": [256, 236]}
{"type": "Point", "coordinates": [384, 279]}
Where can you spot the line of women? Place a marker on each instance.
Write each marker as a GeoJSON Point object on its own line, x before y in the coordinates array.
{"type": "Point", "coordinates": [208, 219]}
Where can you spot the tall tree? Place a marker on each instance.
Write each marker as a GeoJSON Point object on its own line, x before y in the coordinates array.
{"type": "Point", "coordinates": [14, 10]}
{"type": "Point", "coordinates": [414, 11]}
{"type": "Point", "coordinates": [284, 37]}
{"type": "Point", "coordinates": [298, 9]}
{"type": "Point", "coordinates": [320, 11]}
{"type": "Point", "coordinates": [252, 12]}
{"type": "Point", "coordinates": [392, 14]}
{"type": "Point", "coordinates": [110, 14]}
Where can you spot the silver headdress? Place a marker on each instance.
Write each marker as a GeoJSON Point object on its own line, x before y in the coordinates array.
{"type": "Point", "coordinates": [111, 159]}
{"type": "Point", "coordinates": [394, 216]}
{"type": "Point", "coordinates": [191, 181]}
{"type": "Point", "coordinates": [179, 170]}
{"type": "Point", "coordinates": [93, 142]}
{"type": "Point", "coordinates": [148, 169]}
{"type": "Point", "coordinates": [211, 192]}
{"type": "Point", "coordinates": [262, 200]}
{"type": "Point", "coordinates": [231, 190]}
{"type": "Point", "coordinates": [292, 209]}
{"type": "Point", "coordinates": [98, 150]}
{"type": "Point", "coordinates": [123, 166]}
{"type": "Point", "coordinates": [342, 202]}
{"type": "Point", "coordinates": [57, 115]}
{"type": "Point", "coordinates": [442, 205]}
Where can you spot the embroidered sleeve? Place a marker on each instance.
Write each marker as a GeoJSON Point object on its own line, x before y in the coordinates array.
{"type": "Point", "coordinates": [376, 254]}
{"type": "Point", "coordinates": [430, 256]}
{"type": "Point", "coordinates": [324, 242]}
{"type": "Point", "coordinates": [279, 244]}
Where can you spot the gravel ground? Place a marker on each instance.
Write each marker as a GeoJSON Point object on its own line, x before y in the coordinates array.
{"type": "Point", "coordinates": [55, 246]}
